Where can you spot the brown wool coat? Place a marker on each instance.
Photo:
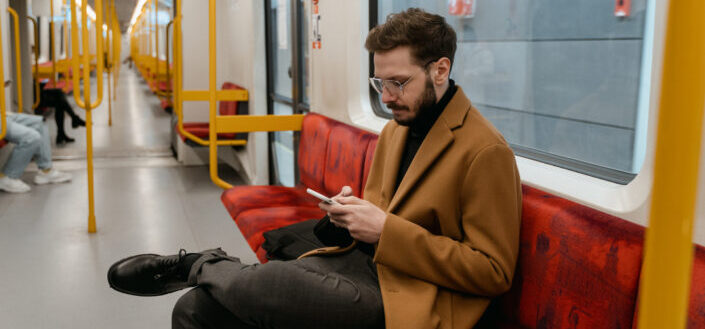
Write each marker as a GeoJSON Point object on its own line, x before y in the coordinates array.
{"type": "Point", "coordinates": [451, 237]}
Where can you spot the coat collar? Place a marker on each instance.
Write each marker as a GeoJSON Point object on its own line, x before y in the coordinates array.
{"type": "Point", "coordinates": [438, 139]}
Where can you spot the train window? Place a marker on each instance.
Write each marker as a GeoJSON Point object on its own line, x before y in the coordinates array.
{"type": "Point", "coordinates": [289, 87]}
{"type": "Point", "coordinates": [567, 83]}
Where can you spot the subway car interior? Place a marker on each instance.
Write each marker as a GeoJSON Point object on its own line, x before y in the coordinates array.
{"type": "Point", "coordinates": [200, 124]}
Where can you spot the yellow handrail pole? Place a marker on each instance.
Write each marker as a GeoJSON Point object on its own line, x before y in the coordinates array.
{"type": "Point", "coordinates": [18, 60]}
{"type": "Point", "coordinates": [52, 57]}
{"type": "Point", "coordinates": [166, 51]}
{"type": "Point", "coordinates": [156, 44]}
{"type": "Point", "coordinates": [212, 101]}
{"type": "Point", "coordinates": [86, 88]}
{"type": "Point", "coordinates": [67, 64]}
{"type": "Point", "coordinates": [666, 273]}
{"type": "Point", "coordinates": [86, 50]}
{"type": "Point", "coordinates": [35, 50]}
{"type": "Point", "coordinates": [3, 121]}
{"type": "Point", "coordinates": [117, 49]}
{"type": "Point", "coordinates": [109, 60]}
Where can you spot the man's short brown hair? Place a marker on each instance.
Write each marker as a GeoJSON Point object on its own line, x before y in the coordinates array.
{"type": "Point", "coordinates": [428, 35]}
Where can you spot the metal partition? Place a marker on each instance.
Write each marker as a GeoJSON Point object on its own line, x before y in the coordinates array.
{"type": "Point", "coordinates": [219, 123]}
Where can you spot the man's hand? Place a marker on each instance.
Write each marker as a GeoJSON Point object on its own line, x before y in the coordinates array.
{"type": "Point", "coordinates": [363, 219]}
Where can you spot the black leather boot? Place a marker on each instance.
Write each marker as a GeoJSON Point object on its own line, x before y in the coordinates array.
{"type": "Point", "coordinates": [151, 274]}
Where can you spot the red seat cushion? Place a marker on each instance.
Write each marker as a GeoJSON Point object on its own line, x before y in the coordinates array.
{"type": "Point", "coordinates": [2, 143]}
{"type": "Point", "coordinates": [242, 198]}
{"type": "Point", "coordinates": [578, 268]}
{"type": "Point", "coordinates": [345, 159]}
{"type": "Point", "coordinates": [254, 222]}
{"type": "Point", "coordinates": [696, 310]}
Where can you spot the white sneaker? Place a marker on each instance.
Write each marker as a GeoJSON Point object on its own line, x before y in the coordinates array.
{"type": "Point", "coordinates": [53, 176]}
{"type": "Point", "coordinates": [12, 185]}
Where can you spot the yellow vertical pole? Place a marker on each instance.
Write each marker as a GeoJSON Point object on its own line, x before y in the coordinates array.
{"type": "Point", "coordinates": [52, 48]}
{"type": "Point", "coordinates": [89, 118]}
{"type": "Point", "coordinates": [110, 66]}
{"type": "Point", "coordinates": [178, 67]}
{"type": "Point", "coordinates": [665, 283]}
{"type": "Point", "coordinates": [3, 109]}
{"type": "Point", "coordinates": [18, 59]}
{"type": "Point", "coordinates": [66, 46]}
{"type": "Point", "coordinates": [156, 44]}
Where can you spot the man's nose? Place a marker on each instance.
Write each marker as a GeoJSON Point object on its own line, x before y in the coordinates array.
{"type": "Point", "coordinates": [387, 97]}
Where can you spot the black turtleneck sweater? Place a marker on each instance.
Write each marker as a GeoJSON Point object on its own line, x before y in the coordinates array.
{"type": "Point", "coordinates": [420, 127]}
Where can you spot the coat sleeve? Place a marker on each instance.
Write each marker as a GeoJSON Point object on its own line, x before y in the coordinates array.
{"type": "Point", "coordinates": [483, 261]}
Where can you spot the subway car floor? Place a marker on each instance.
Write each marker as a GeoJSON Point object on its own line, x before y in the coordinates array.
{"type": "Point", "coordinates": [54, 271]}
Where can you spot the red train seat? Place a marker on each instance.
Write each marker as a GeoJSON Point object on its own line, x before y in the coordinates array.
{"type": "Point", "coordinates": [200, 129]}
{"type": "Point", "coordinates": [577, 267]}
{"type": "Point", "coordinates": [2, 143]}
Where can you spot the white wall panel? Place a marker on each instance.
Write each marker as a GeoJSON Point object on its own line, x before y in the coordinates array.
{"type": "Point", "coordinates": [339, 70]}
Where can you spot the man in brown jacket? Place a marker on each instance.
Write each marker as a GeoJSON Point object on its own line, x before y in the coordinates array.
{"type": "Point", "coordinates": [442, 212]}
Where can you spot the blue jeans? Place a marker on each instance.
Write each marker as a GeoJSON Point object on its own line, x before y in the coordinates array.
{"type": "Point", "coordinates": [31, 138]}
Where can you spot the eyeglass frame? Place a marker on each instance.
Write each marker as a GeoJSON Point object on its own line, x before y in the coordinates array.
{"type": "Point", "coordinates": [396, 83]}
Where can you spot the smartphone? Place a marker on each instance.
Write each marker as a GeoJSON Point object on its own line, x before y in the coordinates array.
{"type": "Point", "coordinates": [321, 196]}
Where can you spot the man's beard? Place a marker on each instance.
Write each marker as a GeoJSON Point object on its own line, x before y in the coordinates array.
{"type": "Point", "coordinates": [424, 104]}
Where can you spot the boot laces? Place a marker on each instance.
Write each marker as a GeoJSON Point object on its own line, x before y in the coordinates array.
{"type": "Point", "coordinates": [171, 264]}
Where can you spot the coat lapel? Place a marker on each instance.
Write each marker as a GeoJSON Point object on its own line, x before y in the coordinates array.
{"type": "Point", "coordinates": [391, 165]}
{"type": "Point", "coordinates": [436, 142]}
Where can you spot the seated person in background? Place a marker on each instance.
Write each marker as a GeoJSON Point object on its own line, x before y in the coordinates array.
{"type": "Point", "coordinates": [437, 231]}
{"type": "Point", "coordinates": [55, 98]}
{"type": "Point", "coordinates": [31, 139]}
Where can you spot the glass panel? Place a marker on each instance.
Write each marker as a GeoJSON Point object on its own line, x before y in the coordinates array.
{"type": "Point", "coordinates": [280, 21]}
{"type": "Point", "coordinates": [559, 77]}
{"type": "Point", "coordinates": [283, 149]}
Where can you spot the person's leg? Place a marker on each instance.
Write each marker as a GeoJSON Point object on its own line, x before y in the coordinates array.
{"type": "Point", "coordinates": [198, 310]}
{"type": "Point", "coordinates": [314, 292]}
{"type": "Point", "coordinates": [26, 140]}
{"type": "Point", "coordinates": [43, 155]}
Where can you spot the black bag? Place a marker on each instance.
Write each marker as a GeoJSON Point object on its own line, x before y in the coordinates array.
{"type": "Point", "coordinates": [290, 242]}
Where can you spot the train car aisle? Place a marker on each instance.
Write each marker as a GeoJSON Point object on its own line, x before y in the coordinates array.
{"type": "Point", "coordinates": [54, 272]}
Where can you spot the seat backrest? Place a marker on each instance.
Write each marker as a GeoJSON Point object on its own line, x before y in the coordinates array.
{"type": "Point", "coordinates": [345, 158]}
{"type": "Point", "coordinates": [312, 150]}
{"type": "Point", "coordinates": [332, 154]}
{"type": "Point", "coordinates": [231, 107]}
{"type": "Point", "coordinates": [696, 309]}
{"type": "Point", "coordinates": [577, 268]}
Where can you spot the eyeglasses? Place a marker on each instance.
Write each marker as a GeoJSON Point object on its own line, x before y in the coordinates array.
{"type": "Point", "coordinates": [394, 87]}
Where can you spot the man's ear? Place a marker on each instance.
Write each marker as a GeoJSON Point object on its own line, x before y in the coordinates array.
{"type": "Point", "coordinates": [441, 71]}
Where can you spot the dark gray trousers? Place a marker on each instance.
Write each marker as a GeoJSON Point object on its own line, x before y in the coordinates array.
{"type": "Point", "coordinates": [314, 292]}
